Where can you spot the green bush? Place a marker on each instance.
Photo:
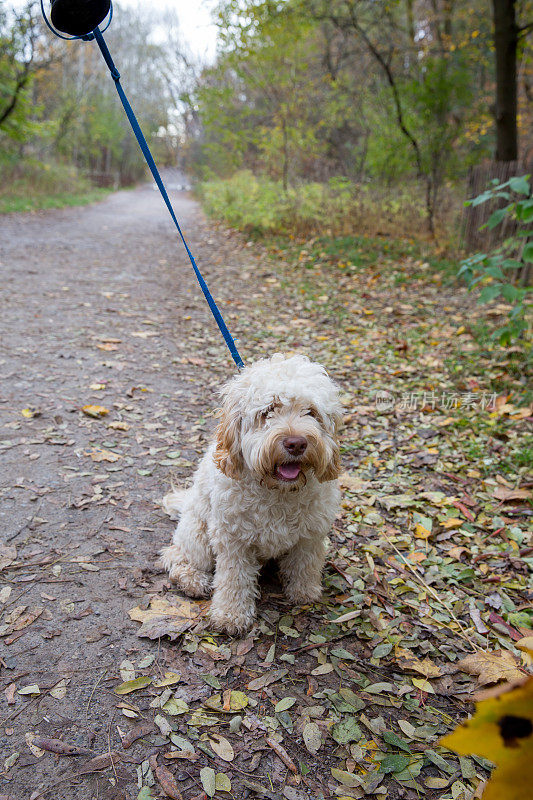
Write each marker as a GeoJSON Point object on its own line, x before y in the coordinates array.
{"type": "Point", "coordinates": [500, 272]}
{"type": "Point", "coordinates": [259, 205]}
{"type": "Point", "coordinates": [27, 184]}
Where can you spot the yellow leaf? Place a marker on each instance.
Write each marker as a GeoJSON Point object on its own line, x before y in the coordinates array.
{"type": "Point", "coordinates": [502, 731]}
{"type": "Point", "coordinates": [134, 685]}
{"type": "Point", "coordinates": [454, 522]}
{"type": "Point", "coordinates": [421, 532]}
{"type": "Point", "coordinates": [95, 411]}
{"type": "Point", "coordinates": [169, 679]}
{"type": "Point", "coordinates": [423, 684]}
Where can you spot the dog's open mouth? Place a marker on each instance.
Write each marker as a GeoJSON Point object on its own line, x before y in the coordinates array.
{"type": "Point", "coordinates": [288, 472]}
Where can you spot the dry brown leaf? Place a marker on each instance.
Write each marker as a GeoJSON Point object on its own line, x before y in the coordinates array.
{"type": "Point", "coordinates": [119, 426]}
{"type": "Point", "coordinates": [8, 554]}
{"type": "Point", "coordinates": [168, 617]}
{"type": "Point", "coordinates": [352, 483]}
{"type": "Point", "coordinates": [98, 454]}
{"type": "Point", "coordinates": [499, 665]}
{"type": "Point", "coordinates": [500, 493]}
{"type": "Point", "coordinates": [424, 666]}
{"type": "Point", "coordinates": [222, 747]}
{"type": "Point", "coordinates": [165, 779]}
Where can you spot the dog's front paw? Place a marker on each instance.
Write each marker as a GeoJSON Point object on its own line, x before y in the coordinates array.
{"type": "Point", "coordinates": [301, 595]}
{"type": "Point", "coordinates": [235, 624]}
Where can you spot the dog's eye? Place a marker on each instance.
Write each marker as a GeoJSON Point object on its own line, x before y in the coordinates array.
{"type": "Point", "coordinates": [311, 413]}
{"type": "Point", "coordinates": [263, 415]}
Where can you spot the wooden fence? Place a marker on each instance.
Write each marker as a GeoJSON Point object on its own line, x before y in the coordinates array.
{"type": "Point", "coordinates": [474, 217]}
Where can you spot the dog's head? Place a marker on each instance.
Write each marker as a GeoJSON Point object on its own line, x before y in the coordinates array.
{"type": "Point", "coordinates": [279, 421]}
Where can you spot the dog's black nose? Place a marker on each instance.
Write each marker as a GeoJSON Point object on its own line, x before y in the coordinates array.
{"type": "Point", "coordinates": [295, 445]}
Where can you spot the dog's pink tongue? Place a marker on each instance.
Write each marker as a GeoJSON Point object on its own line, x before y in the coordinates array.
{"type": "Point", "coordinates": [289, 472]}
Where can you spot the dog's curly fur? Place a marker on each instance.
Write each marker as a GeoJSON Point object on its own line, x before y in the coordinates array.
{"type": "Point", "coordinates": [266, 488]}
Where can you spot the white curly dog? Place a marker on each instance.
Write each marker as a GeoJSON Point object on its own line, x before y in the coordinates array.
{"type": "Point", "coordinates": [266, 488]}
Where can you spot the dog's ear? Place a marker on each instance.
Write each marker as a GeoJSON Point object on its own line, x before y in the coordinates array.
{"type": "Point", "coordinates": [332, 469]}
{"type": "Point", "coordinates": [227, 455]}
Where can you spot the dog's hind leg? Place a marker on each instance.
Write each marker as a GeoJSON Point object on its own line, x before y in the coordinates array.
{"type": "Point", "coordinates": [189, 559]}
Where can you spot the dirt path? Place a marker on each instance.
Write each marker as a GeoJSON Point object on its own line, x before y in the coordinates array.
{"type": "Point", "coordinates": [100, 308]}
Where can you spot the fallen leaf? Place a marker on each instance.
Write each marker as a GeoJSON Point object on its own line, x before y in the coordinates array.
{"type": "Point", "coordinates": [134, 685]}
{"type": "Point", "coordinates": [59, 747]}
{"type": "Point", "coordinates": [167, 617]}
{"type": "Point", "coordinates": [95, 411]}
{"type": "Point", "coordinates": [37, 751]}
{"type": "Point", "coordinates": [59, 691]}
{"type": "Point", "coordinates": [502, 731]}
{"type": "Point", "coordinates": [266, 679]}
{"type": "Point", "coordinates": [136, 733]}
{"type": "Point", "coordinates": [99, 454]}
{"type": "Point", "coordinates": [31, 689]}
{"type": "Point", "coordinates": [222, 747]}
{"type": "Point", "coordinates": [169, 679]}
{"type": "Point", "coordinates": [499, 665]}
{"type": "Point", "coordinates": [312, 737]}
{"type": "Point", "coordinates": [222, 782]}
{"type": "Point", "coordinates": [127, 670]}
{"type": "Point", "coordinates": [118, 426]}
{"type": "Point", "coordinates": [9, 692]}
{"type": "Point", "coordinates": [208, 778]}
{"type": "Point", "coordinates": [8, 554]}
{"type": "Point", "coordinates": [346, 778]}
{"type": "Point", "coordinates": [165, 779]}
{"type": "Point", "coordinates": [503, 494]}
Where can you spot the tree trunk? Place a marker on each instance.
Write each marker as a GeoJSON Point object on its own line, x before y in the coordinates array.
{"type": "Point", "coordinates": [505, 43]}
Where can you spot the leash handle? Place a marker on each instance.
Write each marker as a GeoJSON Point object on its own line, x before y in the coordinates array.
{"type": "Point", "coordinates": [143, 144]}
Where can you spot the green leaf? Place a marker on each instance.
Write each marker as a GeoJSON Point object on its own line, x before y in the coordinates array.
{"type": "Point", "coordinates": [497, 216]}
{"type": "Point", "coordinates": [510, 292]}
{"type": "Point", "coordinates": [394, 762]}
{"type": "Point", "coordinates": [382, 650]}
{"type": "Point", "coordinates": [175, 707]}
{"type": "Point", "coordinates": [211, 680]}
{"type": "Point", "coordinates": [392, 738]}
{"type": "Point", "coordinates": [133, 686]}
{"type": "Point", "coordinates": [527, 253]}
{"type": "Point", "coordinates": [145, 794]}
{"type": "Point", "coordinates": [208, 778]}
{"type": "Point", "coordinates": [346, 778]}
{"type": "Point", "coordinates": [351, 698]}
{"type": "Point", "coordinates": [519, 185]}
{"type": "Point", "coordinates": [379, 688]}
{"type": "Point", "coordinates": [488, 293]}
{"type": "Point", "coordinates": [524, 210]}
{"type": "Point", "coordinates": [284, 704]}
{"type": "Point", "coordinates": [346, 731]}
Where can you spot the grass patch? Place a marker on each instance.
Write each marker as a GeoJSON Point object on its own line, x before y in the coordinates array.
{"type": "Point", "coordinates": [260, 206]}
{"type": "Point", "coordinates": [30, 185]}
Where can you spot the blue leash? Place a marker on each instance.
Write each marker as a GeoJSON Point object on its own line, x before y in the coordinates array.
{"type": "Point", "coordinates": [143, 144]}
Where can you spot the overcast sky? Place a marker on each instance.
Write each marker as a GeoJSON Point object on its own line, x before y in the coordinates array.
{"type": "Point", "coordinates": [198, 31]}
